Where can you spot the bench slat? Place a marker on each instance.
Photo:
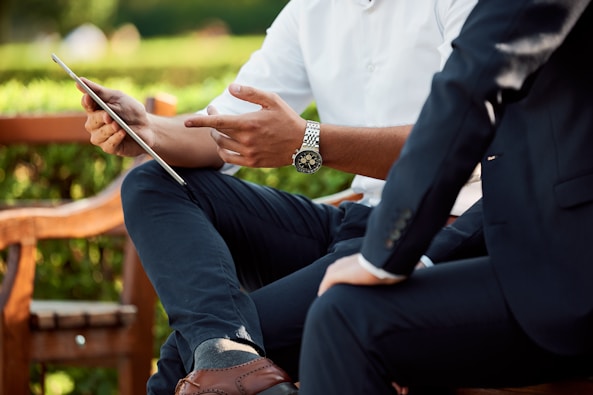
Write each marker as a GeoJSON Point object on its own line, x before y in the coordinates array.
{"type": "Point", "coordinates": [569, 387]}
{"type": "Point", "coordinates": [53, 314]}
{"type": "Point", "coordinates": [44, 129]}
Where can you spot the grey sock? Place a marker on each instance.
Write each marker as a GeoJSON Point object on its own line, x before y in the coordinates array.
{"type": "Point", "coordinates": [222, 353]}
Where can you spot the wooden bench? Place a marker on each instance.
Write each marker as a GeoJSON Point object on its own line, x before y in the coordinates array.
{"type": "Point", "coordinates": [582, 386]}
{"type": "Point", "coordinates": [75, 333]}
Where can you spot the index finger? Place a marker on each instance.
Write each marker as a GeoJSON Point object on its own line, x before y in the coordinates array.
{"type": "Point", "coordinates": [106, 94]}
{"type": "Point", "coordinates": [219, 122]}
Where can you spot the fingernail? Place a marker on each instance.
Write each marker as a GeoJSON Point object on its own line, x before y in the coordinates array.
{"type": "Point", "coordinates": [234, 88]}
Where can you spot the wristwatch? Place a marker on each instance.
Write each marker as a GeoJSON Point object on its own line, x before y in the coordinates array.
{"type": "Point", "coordinates": [307, 159]}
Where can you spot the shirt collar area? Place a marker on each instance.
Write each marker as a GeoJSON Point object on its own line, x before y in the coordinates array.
{"type": "Point", "coordinates": [366, 3]}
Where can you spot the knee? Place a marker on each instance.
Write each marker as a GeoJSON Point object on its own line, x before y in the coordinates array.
{"type": "Point", "coordinates": [142, 191]}
{"type": "Point", "coordinates": [330, 313]}
{"type": "Point", "coordinates": [139, 180]}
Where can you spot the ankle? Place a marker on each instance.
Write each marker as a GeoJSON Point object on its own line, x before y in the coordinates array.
{"type": "Point", "coordinates": [222, 353]}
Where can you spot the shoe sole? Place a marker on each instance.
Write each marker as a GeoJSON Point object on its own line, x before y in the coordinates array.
{"type": "Point", "coordinates": [281, 389]}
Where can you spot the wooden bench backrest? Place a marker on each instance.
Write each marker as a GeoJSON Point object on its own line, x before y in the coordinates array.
{"type": "Point", "coordinates": [26, 335]}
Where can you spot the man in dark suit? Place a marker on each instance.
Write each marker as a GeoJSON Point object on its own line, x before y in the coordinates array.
{"type": "Point", "coordinates": [509, 300]}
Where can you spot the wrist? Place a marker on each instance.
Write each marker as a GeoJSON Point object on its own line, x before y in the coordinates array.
{"type": "Point", "coordinates": [376, 271]}
{"type": "Point", "coordinates": [307, 159]}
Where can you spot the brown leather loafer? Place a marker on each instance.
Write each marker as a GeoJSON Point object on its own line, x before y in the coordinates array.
{"type": "Point", "coordinates": [260, 376]}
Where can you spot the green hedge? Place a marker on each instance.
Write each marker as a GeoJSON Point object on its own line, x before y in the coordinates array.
{"type": "Point", "coordinates": [178, 61]}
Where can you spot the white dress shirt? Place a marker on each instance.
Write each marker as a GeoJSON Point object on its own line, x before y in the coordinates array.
{"type": "Point", "coordinates": [363, 63]}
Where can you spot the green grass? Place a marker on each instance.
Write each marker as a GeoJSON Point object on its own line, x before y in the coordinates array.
{"type": "Point", "coordinates": [166, 53]}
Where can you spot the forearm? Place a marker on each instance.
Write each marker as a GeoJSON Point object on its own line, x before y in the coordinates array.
{"type": "Point", "coordinates": [181, 146]}
{"type": "Point", "coordinates": [269, 137]}
{"type": "Point", "coordinates": [365, 151]}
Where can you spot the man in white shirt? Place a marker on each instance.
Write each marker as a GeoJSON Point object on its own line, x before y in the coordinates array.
{"type": "Point", "coordinates": [367, 65]}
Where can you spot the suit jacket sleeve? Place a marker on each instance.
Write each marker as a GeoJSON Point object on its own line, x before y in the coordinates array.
{"type": "Point", "coordinates": [502, 44]}
{"type": "Point", "coordinates": [464, 238]}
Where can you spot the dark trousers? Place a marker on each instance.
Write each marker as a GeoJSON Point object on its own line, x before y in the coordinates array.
{"type": "Point", "coordinates": [445, 326]}
{"type": "Point", "coordinates": [232, 260]}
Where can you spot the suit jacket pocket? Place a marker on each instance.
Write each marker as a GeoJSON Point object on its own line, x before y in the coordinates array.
{"type": "Point", "coordinates": [574, 192]}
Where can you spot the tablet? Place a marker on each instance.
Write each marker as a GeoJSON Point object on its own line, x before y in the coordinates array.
{"type": "Point", "coordinates": [120, 121]}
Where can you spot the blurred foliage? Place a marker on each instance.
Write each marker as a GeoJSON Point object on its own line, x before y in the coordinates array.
{"type": "Point", "coordinates": [41, 96]}
{"type": "Point", "coordinates": [91, 268]}
{"type": "Point", "coordinates": [158, 62]}
{"type": "Point", "coordinates": [23, 20]}
{"type": "Point", "coordinates": [239, 16]}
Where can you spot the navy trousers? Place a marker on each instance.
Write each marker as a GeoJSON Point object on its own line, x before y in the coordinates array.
{"type": "Point", "coordinates": [444, 327]}
{"type": "Point", "coordinates": [231, 259]}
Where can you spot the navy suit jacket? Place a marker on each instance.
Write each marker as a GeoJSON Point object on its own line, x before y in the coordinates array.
{"type": "Point", "coordinates": [517, 96]}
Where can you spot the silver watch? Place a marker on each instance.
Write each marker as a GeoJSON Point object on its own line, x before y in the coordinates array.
{"type": "Point", "coordinates": [307, 159]}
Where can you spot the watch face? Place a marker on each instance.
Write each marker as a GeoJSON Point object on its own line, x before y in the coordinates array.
{"type": "Point", "coordinates": [307, 161]}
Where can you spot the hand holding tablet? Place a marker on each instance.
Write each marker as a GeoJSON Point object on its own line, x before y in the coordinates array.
{"type": "Point", "coordinates": [119, 121]}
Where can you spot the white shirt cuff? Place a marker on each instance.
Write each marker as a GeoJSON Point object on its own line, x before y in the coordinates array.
{"type": "Point", "coordinates": [426, 261]}
{"type": "Point", "coordinates": [375, 271]}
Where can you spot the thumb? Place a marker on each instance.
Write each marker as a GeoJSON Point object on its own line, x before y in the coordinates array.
{"type": "Point", "coordinates": [252, 95]}
{"type": "Point", "coordinates": [212, 110]}
{"type": "Point", "coordinates": [108, 95]}
{"type": "Point", "coordinates": [94, 86]}
{"type": "Point", "coordinates": [87, 102]}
